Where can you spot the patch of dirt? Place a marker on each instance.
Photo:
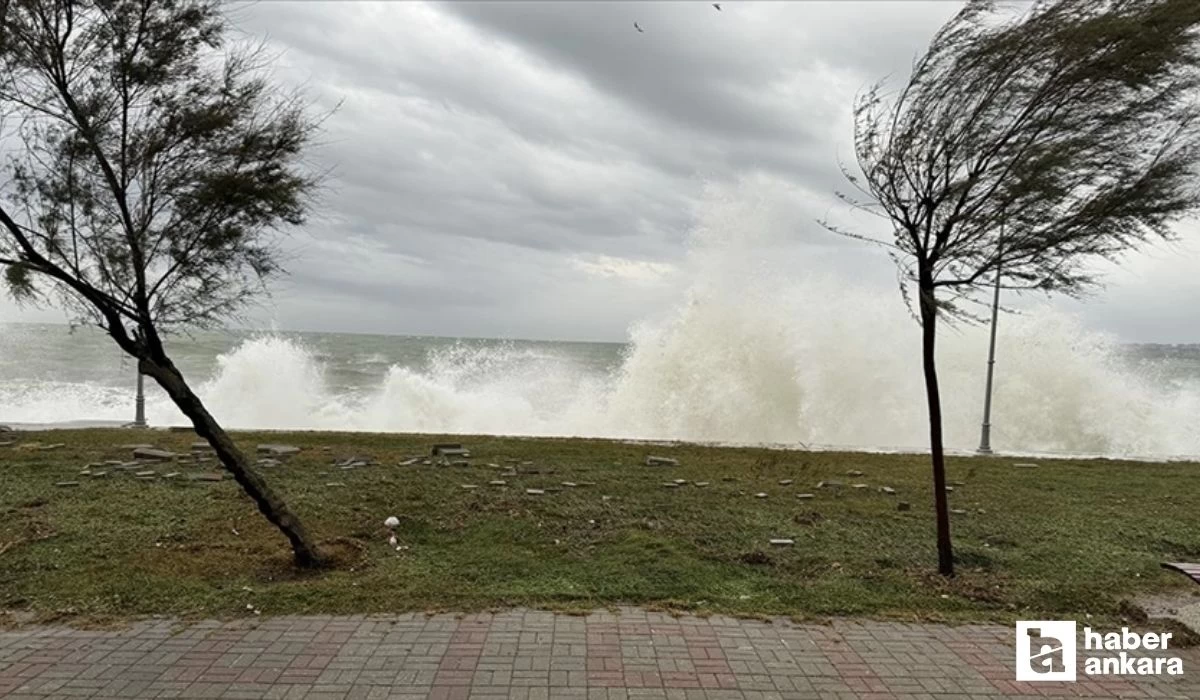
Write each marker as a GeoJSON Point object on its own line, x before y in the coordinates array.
{"type": "Point", "coordinates": [756, 558]}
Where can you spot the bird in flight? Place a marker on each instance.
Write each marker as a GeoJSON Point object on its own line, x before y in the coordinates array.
{"type": "Point", "coordinates": [638, 27]}
{"type": "Point", "coordinates": [717, 5]}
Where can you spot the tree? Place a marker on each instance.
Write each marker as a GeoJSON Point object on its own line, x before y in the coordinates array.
{"type": "Point", "coordinates": [150, 170]}
{"type": "Point", "coordinates": [1028, 146]}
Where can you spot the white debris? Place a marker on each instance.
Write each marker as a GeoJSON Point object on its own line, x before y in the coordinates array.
{"type": "Point", "coordinates": [391, 522]}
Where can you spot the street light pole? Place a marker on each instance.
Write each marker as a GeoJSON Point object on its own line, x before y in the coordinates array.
{"type": "Point", "coordinates": [985, 436]}
{"type": "Point", "coordinates": [139, 417]}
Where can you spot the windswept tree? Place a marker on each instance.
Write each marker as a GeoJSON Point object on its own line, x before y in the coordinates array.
{"type": "Point", "coordinates": [1029, 146]}
{"type": "Point", "coordinates": [148, 171]}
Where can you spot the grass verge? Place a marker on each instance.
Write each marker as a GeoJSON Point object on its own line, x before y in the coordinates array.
{"type": "Point", "coordinates": [1067, 539]}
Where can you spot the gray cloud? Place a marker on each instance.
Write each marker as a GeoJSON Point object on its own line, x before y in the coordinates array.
{"type": "Point", "coordinates": [535, 169]}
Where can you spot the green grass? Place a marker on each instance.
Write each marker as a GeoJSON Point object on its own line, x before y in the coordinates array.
{"type": "Point", "coordinates": [1067, 539]}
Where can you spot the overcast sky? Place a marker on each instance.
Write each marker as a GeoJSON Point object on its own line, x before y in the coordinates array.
{"type": "Point", "coordinates": [534, 169]}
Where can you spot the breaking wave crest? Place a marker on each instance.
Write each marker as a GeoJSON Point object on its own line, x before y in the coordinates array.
{"type": "Point", "coordinates": [757, 351]}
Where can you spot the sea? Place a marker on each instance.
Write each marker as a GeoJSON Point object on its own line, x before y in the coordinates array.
{"type": "Point", "coordinates": [706, 373]}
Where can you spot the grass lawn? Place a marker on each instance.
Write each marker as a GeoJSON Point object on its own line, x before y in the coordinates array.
{"type": "Point", "coordinates": [1063, 540]}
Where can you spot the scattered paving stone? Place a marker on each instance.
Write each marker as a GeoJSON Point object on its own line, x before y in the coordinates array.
{"type": "Point", "coordinates": [348, 467]}
{"type": "Point", "coordinates": [497, 483]}
{"type": "Point", "coordinates": [64, 484]}
{"type": "Point", "coordinates": [681, 482]}
{"type": "Point", "coordinates": [137, 446]}
{"type": "Point", "coordinates": [208, 476]}
{"type": "Point", "coordinates": [783, 543]}
{"type": "Point", "coordinates": [949, 489]}
{"type": "Point", "coordinates": [427, 462]}
{"type": "Point", "coordinates": [653, 461]}
{"type": "Point", "coordinates": [460, 463]}
{"type": "Point", "coordinates": [854, 472]}
{"type": "Point", "coordinates": [1025, 465]}
{"type": "Point", "coordinates": [535, 492]}
{"type": "Point", "coordinates": [113, 462]}
{"type": "Point", "coordinates": [97, 475]}
{"type": "Point", "coordinates": [151, 477]}
{"type": "Point", "coordinates": [701, 484]}
{"type": "Point", "coordinates": [278, 450]}
{"type": "Point", "coordinates": [670, 485]}
{"type": "Point", "coordinates": [170, 475]}
{"type": "Point", "coordinates": [153, 454]}
{"type": "Point", "coordinates": [903, 505]}
{"type": "Point", "coordinates": [829, 484]}
{"type": "Point", "coordinates": [509, 474]}
{"type": "Point", "coordinates": [958, 483]}
{"type": "Point", "coordinates": [958, 511]}
{"type": "Point", "coordinates": [146, 473]}
{"type": "Point", "coordinates": [268, 462]}
{"type": "Point", "coordinates": [888, 490]}
{"type": "Point", "coordinates": [334, 484]}
{"type": "Point", "coordinates": [409, 462]}
{"type": "Point", "coordinates": [55, 446]}
{"type": "Point", "coordinates": [785, 482]}
{"type": "Point", "coordinates": [760, 495]}
{"type": "Point", "coordinates": [526, 464]}
{"type": "Point", "coordinates": [805, 496]}
{"type": "Point", "coordinates": [587, 483]}
{"type": "Point", "coordinates": [85, 472]}
{"type": "Point", "coordinates": [858, 486]}
{"type": "Point", "coordinates": [469, 487]}
{"type": "Point", "coordinates": [569, 484]}
{"type": "Point", "coordinates": [201, 447]}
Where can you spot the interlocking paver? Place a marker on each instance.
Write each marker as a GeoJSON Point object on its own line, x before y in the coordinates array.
{"type": "Point", "coordinates": [628, 654]}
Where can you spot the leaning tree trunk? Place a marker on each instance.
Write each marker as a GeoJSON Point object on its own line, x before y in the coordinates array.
{"type": "Point", "coordinates": [928, 304]}
{"type": "Point", "coordinates": [163, 371]}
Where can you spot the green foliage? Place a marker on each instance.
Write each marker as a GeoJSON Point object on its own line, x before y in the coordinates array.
{"type": "Point", "coordinates": [1037, 143]}
{"type": "Point", "coordinates": [155, 164]}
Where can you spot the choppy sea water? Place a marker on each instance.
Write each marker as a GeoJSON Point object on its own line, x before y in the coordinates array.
{"type": "Point", "coordinates": [704, 374]}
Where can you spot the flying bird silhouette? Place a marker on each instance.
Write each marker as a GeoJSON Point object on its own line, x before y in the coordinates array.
{"type": "Point", "coordinates": [717, 5]}
{"type": "Point", "coordinates": [638, 27]}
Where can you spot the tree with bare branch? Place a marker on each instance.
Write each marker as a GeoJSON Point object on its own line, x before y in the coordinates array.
{"type": "Point", "coordinates": [1028, 146]}
{"type": "Point", "coordinates": [149, 170]}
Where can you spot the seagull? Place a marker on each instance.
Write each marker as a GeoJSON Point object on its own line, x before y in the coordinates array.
{"type": "Point", "coordinates": [638, 27]}
{"type": "Point", "coordinates": [717, 5]}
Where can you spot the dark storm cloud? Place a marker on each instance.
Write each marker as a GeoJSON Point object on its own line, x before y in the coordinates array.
{"type": "Point", "coordinates": [534, 169]}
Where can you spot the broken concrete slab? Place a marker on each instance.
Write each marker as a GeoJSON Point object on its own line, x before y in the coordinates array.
{"type": "Point", "coordinates": [66, 484]}
{"type": "Point", "coordinates": [449, 449]}
{"type": "Point", "coordinates": [653, 461]}
{"type": "Point", "coordinates": [207, 476]}
{"type": "Point", "coordinates": [783, 542]}
{"type": "Point", "coordinates": [153, 454]}
{"type": "Point", "coordinates": [278, 450]}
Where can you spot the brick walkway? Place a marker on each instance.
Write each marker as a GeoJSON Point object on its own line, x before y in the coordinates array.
{"type": "Point", "coordinates": [523, 654]}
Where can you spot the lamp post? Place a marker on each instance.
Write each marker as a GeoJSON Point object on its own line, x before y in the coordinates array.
{"type": "Point", "coordinates": [139, 415]}
{"type": "Point", "coordinates": [985, 434]}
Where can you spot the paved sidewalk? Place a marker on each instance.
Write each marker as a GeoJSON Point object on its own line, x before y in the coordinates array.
{"type": "Point", "coordinates": [526, 655]}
